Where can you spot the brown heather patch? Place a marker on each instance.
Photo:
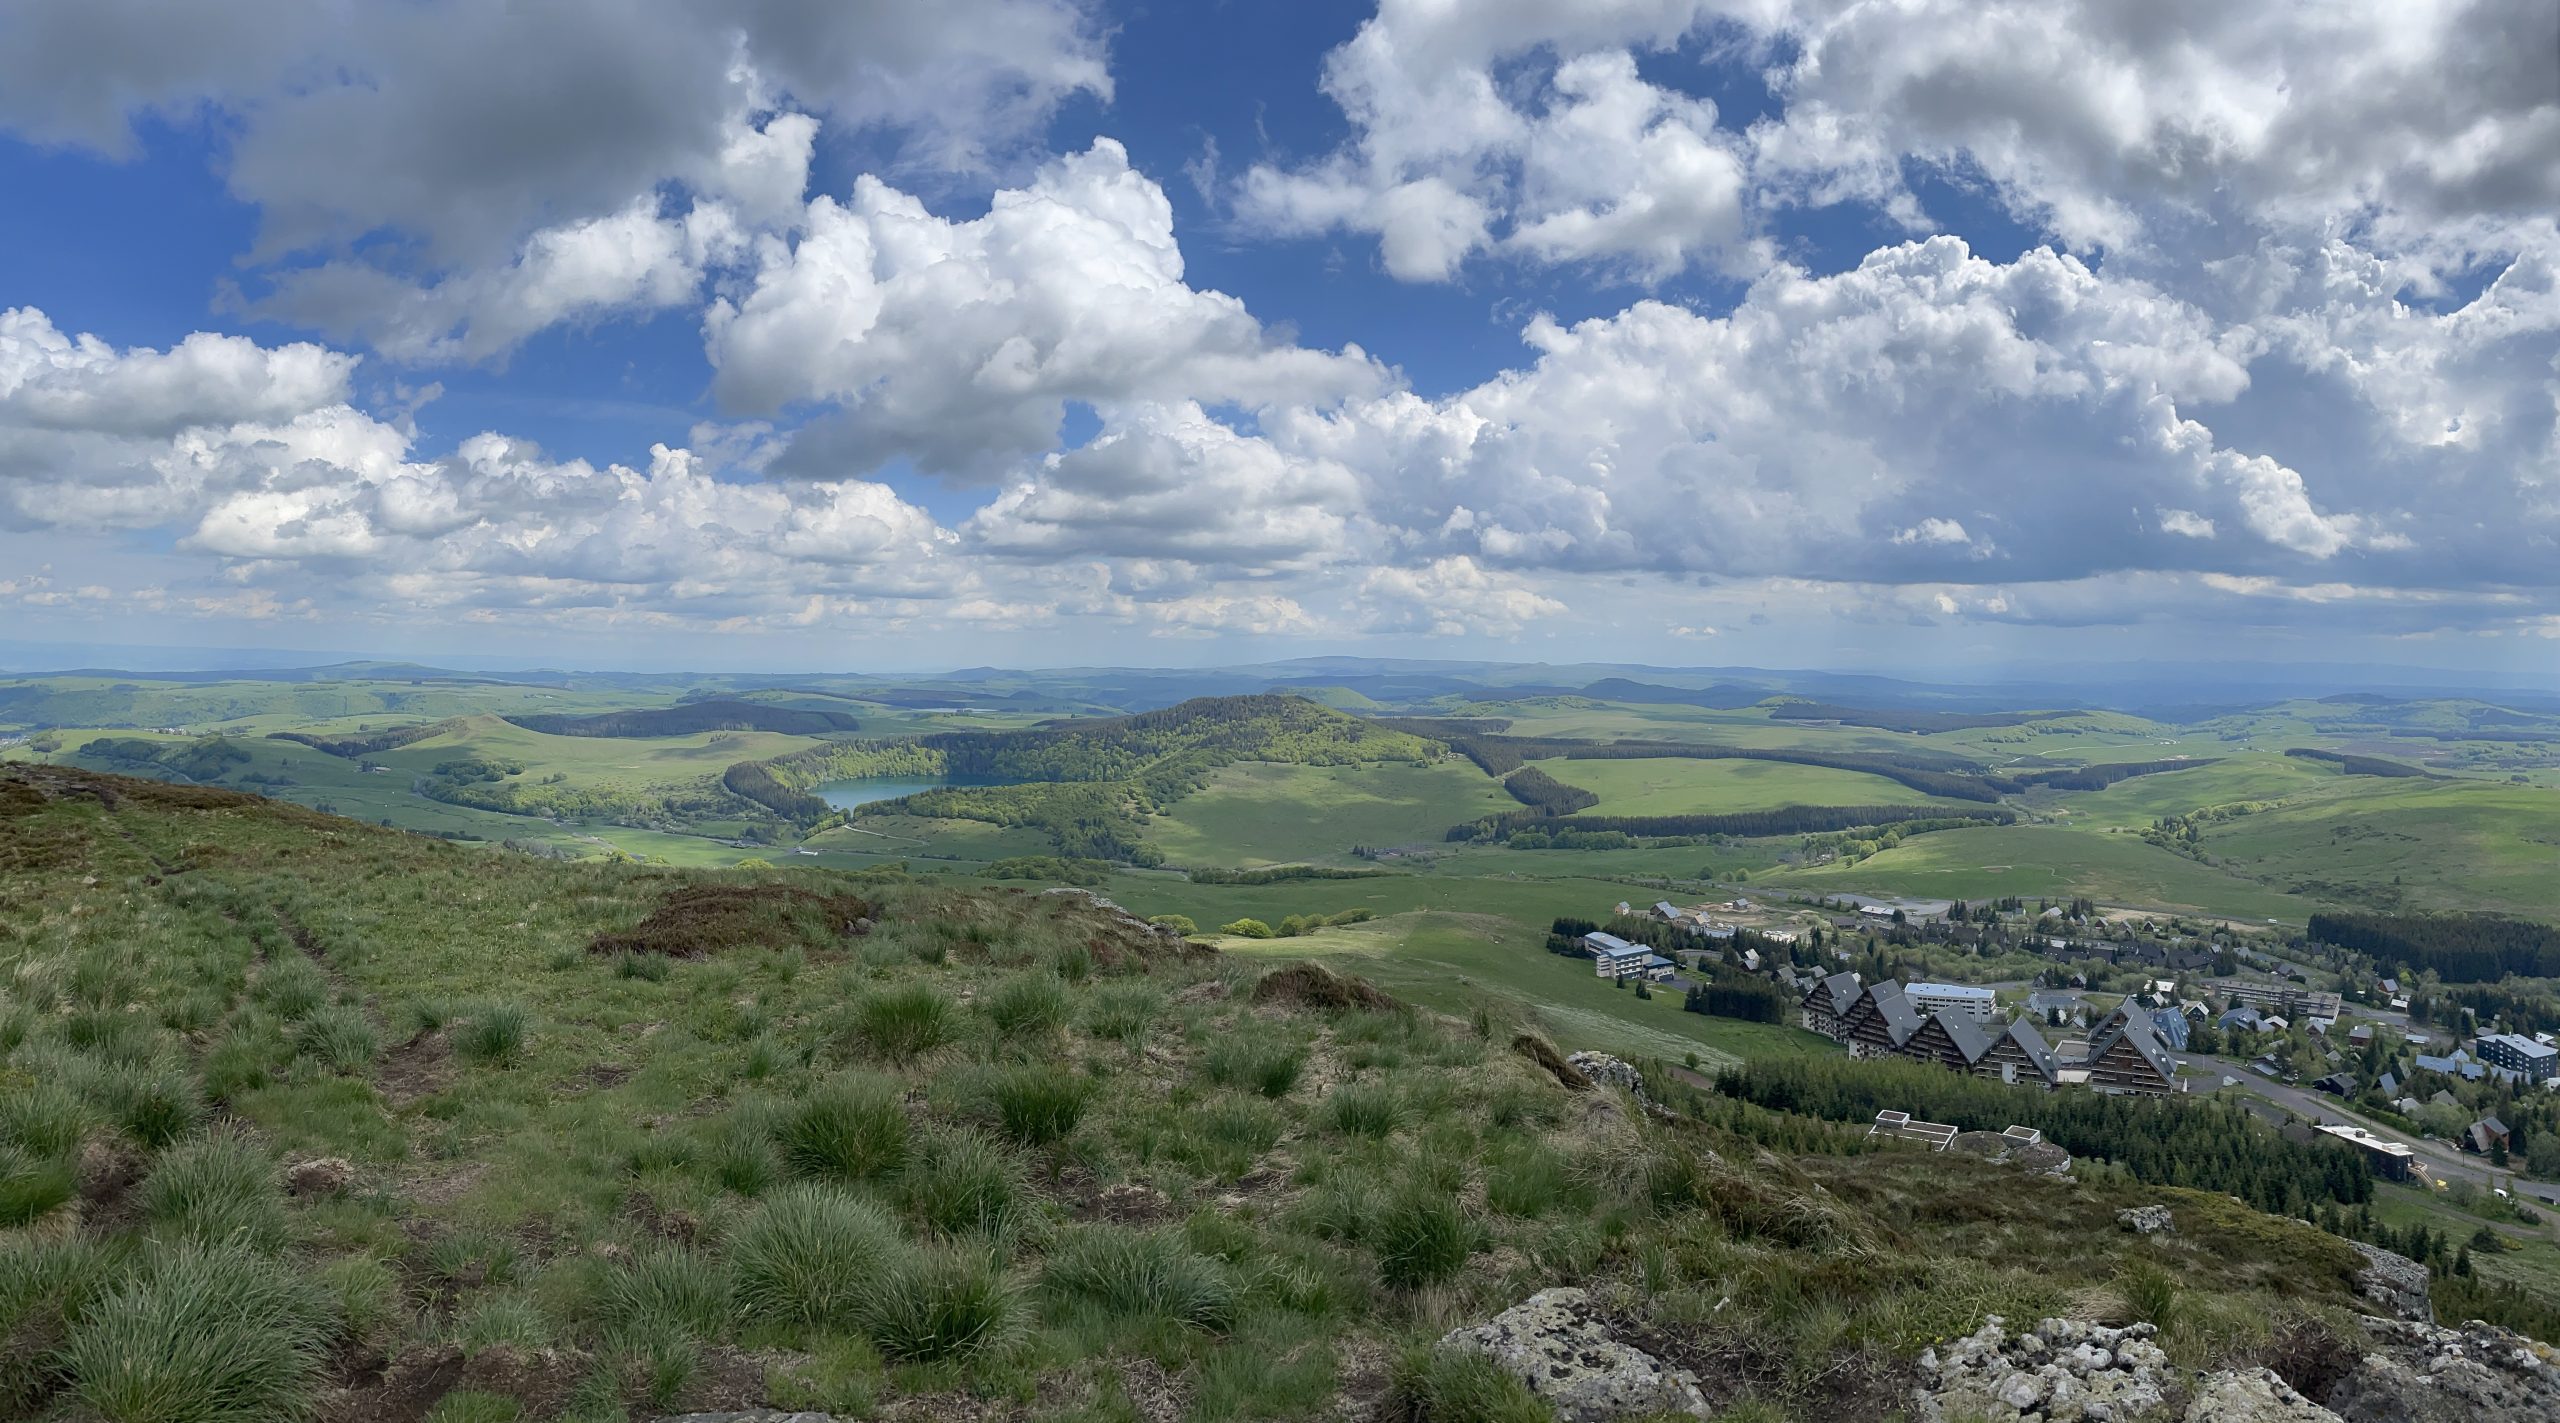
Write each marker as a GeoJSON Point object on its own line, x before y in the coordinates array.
{"type": "Point", "coordinates": [1309, 985]}
{"type": "Point", "coordinates": [698, 920]}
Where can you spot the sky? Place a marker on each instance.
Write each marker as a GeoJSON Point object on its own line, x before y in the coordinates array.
{"type": "Point", "coordinates": [1916, 337]}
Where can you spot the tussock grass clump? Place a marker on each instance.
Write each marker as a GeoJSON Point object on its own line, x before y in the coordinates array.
{"type": "Point", "coordinates": [153, 1104]}
{"type": "Point", "coordinates": [33, 1185]}
{"type": "Point", "coordinates": [1259, 1064]}
{"type": "Point", "coordinates": [203, 1334]}
{"type": "Point", "coordinates": [964, 1184]}
{"type": "Point", "coordinates": [44, 1284]}
{"type": "Point", "coordinates": [1422, 1237]}
{"type": "Point", "coordinates": [1128, 1273]}
{"type": "Point", "coordinates": [1037, 1105]}
{"type": "Point", "coordinates": [1364, 1109]}
{"type": "Point", "coordinates": [813, 1255]}
{"type": "Point", "coordinates": [847, 1129]}
{"type": "Point", "coordinates": [942, 1303]}
{"type": "Point", "coordinates": [507, 1320]}
{"type": "Point", "coordinates": [2150, 1292]}
{"type": "Point", "coordinates": [1432, 1385]}
{"type": "Point", "coordinates": [1124, 1013]}
{"type": "Point", "coordinates": [1027, 1006]}
{"type": "Point", "coordinates": [216, 1189]}
{"type": "Point", "coordinates": [291, 987]}
{"type": "Point", "coordinates": [668, 1290]}
{"type": "Point", "coordinates": [45, 1118]}
{"type": "Point", "coordinates": [494, 1033]}
{"type": "Point", "coordinates": [338, 1037]}
{"type": "Point", "coordinates": [649, 968]}
{"type": "Point", "coordinates": [904, 1022]}
{"type": "Point", "coordinates": [472, 1406]}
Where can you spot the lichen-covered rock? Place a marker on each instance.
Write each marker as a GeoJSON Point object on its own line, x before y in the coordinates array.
{"type": "Point", "coordinates": [1558, 1345]}
{"type": "Point", "coordinates": [2144, 1220]}
{"type": "Point", "coordinates": [2416, 1372]}
{"type": "Point", "coordinates": [1610, 1071]}
{"type": "Point", "coordinates": [2061, 1371]}
{"type": "Point", "coordinates": [753, 1415]}
{"type": "Point", "coordinates": [2251, 1396]}
{"type": "Point", "coordinates": [2395, 1283]}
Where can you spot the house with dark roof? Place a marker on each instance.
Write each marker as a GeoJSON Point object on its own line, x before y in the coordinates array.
{"type": "Point", "coordinates": [2018, 1054]}
{"type": "Point", "coordinates": [2389, 1082]}
{"type": "Point", "coordinates": [2044, 1003]}
{"type": "Point", "coordinates": [1828, 1004]}
{"type": "Point", "coordinates": [2126, 1056]}
{"type": "Point", "coordinates": [2486, 1135]}
{"type": "Point", "coordinates": [1880, 1022]}
{"type": "Point", "coordinates": [2241, 1019]}
{"type": "Point", "coordinates": [2336, 1084]}
{"type": "Point", "coordinates": [1949, 1040]}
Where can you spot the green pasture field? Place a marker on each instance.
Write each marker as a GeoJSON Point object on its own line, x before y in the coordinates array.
{"type": "Point", "coordinates": [2534, 1268]}
{"type": "Point", "coordinates": [2048, 861]}
{"type": "Point", "coordinates": [1259, 813]}
{"type": "Point", "coordinates": [1677, 786]}
{"type": "Point", "coordinates": [2430, 844]}
{"type": "Point", "coordinates": [2241, 776]}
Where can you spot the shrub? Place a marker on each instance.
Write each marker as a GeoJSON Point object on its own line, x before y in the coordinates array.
{"type": "Point", "coordinates": [45, 1119]}
{"type": "Point", "coordinates": [1358, 1110]}
{"type": "Point", "coordinates": [203, 1335]}
{"type": "Point", "coordinates": [943, 1303]}
{"type": "Point", "coordinates": [964, 1184]}
{"type": "Point", "coordinates": [216, 1189]}
{"type": "Point", "coordinates": [33, 1185]}
{"type": "Point", "coordinates": [813, 1255]}
{"type": "Point", "coordinates": [1430, 1385]}
{"type": "Point", "coordinates": [847, 1129]}
{"type": "Point", "coordinates": [1037, 1105]}
{"type": "Point", "coordinates": [1270, 1068]}
{"type": "Point", "coordinates": [1422, 1237]}
{"type": "Point", "coordinates": [905, 1022]}
{"type": "Point", "coordinates": [338, 1036]}
{"type": "Point", "coordinates": [291, 986]}
{"type": "Point", "coordinates": [1141, 1274]}
{"type": "Point", "coordinates": [1027, 1006]}
{"type": "Point", "coordinates": [494, 1033]}
{"type": "Point", "coordinates": [684, 1291]}
{"type": "Point", "coordinates": [1246, 929]}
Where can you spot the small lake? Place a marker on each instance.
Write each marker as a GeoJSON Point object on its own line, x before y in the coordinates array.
{"type": "Point", "coordinates": [845, 795]}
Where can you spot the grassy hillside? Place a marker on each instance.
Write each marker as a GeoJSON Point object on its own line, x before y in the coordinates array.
{"type": "Point", "coordinates": [1683, 787]}
{"type": "Point", "coordinates": [1259, 813]}
{"type": "Point", "coordinates": [304, 1117]}
{"type": "Point", "coordinates": [2040, 860]}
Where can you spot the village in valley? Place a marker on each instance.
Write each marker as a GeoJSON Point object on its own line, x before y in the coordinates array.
{"type": "Point", "coordinates": [2133, 1005]}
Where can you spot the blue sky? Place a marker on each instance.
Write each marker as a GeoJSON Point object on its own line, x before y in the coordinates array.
{"type": "Point", "coordinates": [1955, 336]}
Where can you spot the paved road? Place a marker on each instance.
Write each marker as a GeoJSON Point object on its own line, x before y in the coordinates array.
{"type": "Point", "coordinates": [2444, 1162]}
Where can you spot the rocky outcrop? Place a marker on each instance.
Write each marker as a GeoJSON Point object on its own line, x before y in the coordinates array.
{"type": "Point", "coordinates": [2061, 1371]}
{"type": "Point", "coordinates": [1610, 1071]}
{"type": "Point", "coordinates": [2415, 1372]}
{"type": "Point", "coordinates": [2251, 1396]}
{"type": "Point", "coordinates": [1559, 1346]}
{"type": "Point", "coordinates": [2144, 1220]}
{"type": "Point", "coordinates": [2395, 1284]}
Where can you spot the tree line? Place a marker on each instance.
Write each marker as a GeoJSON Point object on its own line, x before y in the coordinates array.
{"type": "Point", "coordinates": [2165, 1141]}
{"type": "Point", "coordinates": [2355, 765]}
{"type": "Point", "coordinates": [1780, 820]}
{"type": "Point", "coordinates": [2457, 948]}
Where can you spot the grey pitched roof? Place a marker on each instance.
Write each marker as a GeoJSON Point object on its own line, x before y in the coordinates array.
{"type": "Point", "coordinates": [1842, 990]}
{"type": "Point", "coordinates": [1901, 1020]}
{"type": "Point", "coordinates": [2024, 1034]}
{"type": "Point", "coordinates": [2136, 1029]}
{"type": "Point", "coordinates": [1970, 1042]}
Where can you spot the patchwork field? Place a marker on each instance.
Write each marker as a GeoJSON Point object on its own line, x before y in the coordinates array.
{"type": "Point", "coordinates": [2419, 844]}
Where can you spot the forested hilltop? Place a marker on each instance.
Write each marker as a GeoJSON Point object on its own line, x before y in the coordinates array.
{"type": "Point", "coordinates": [304, 1118]}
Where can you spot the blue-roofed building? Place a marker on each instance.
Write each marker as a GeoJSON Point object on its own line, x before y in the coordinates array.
{"type": "Point", "coordinates": [2242, 1019]}
{"type": "Point", "coordinates": [2172, 1026]}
